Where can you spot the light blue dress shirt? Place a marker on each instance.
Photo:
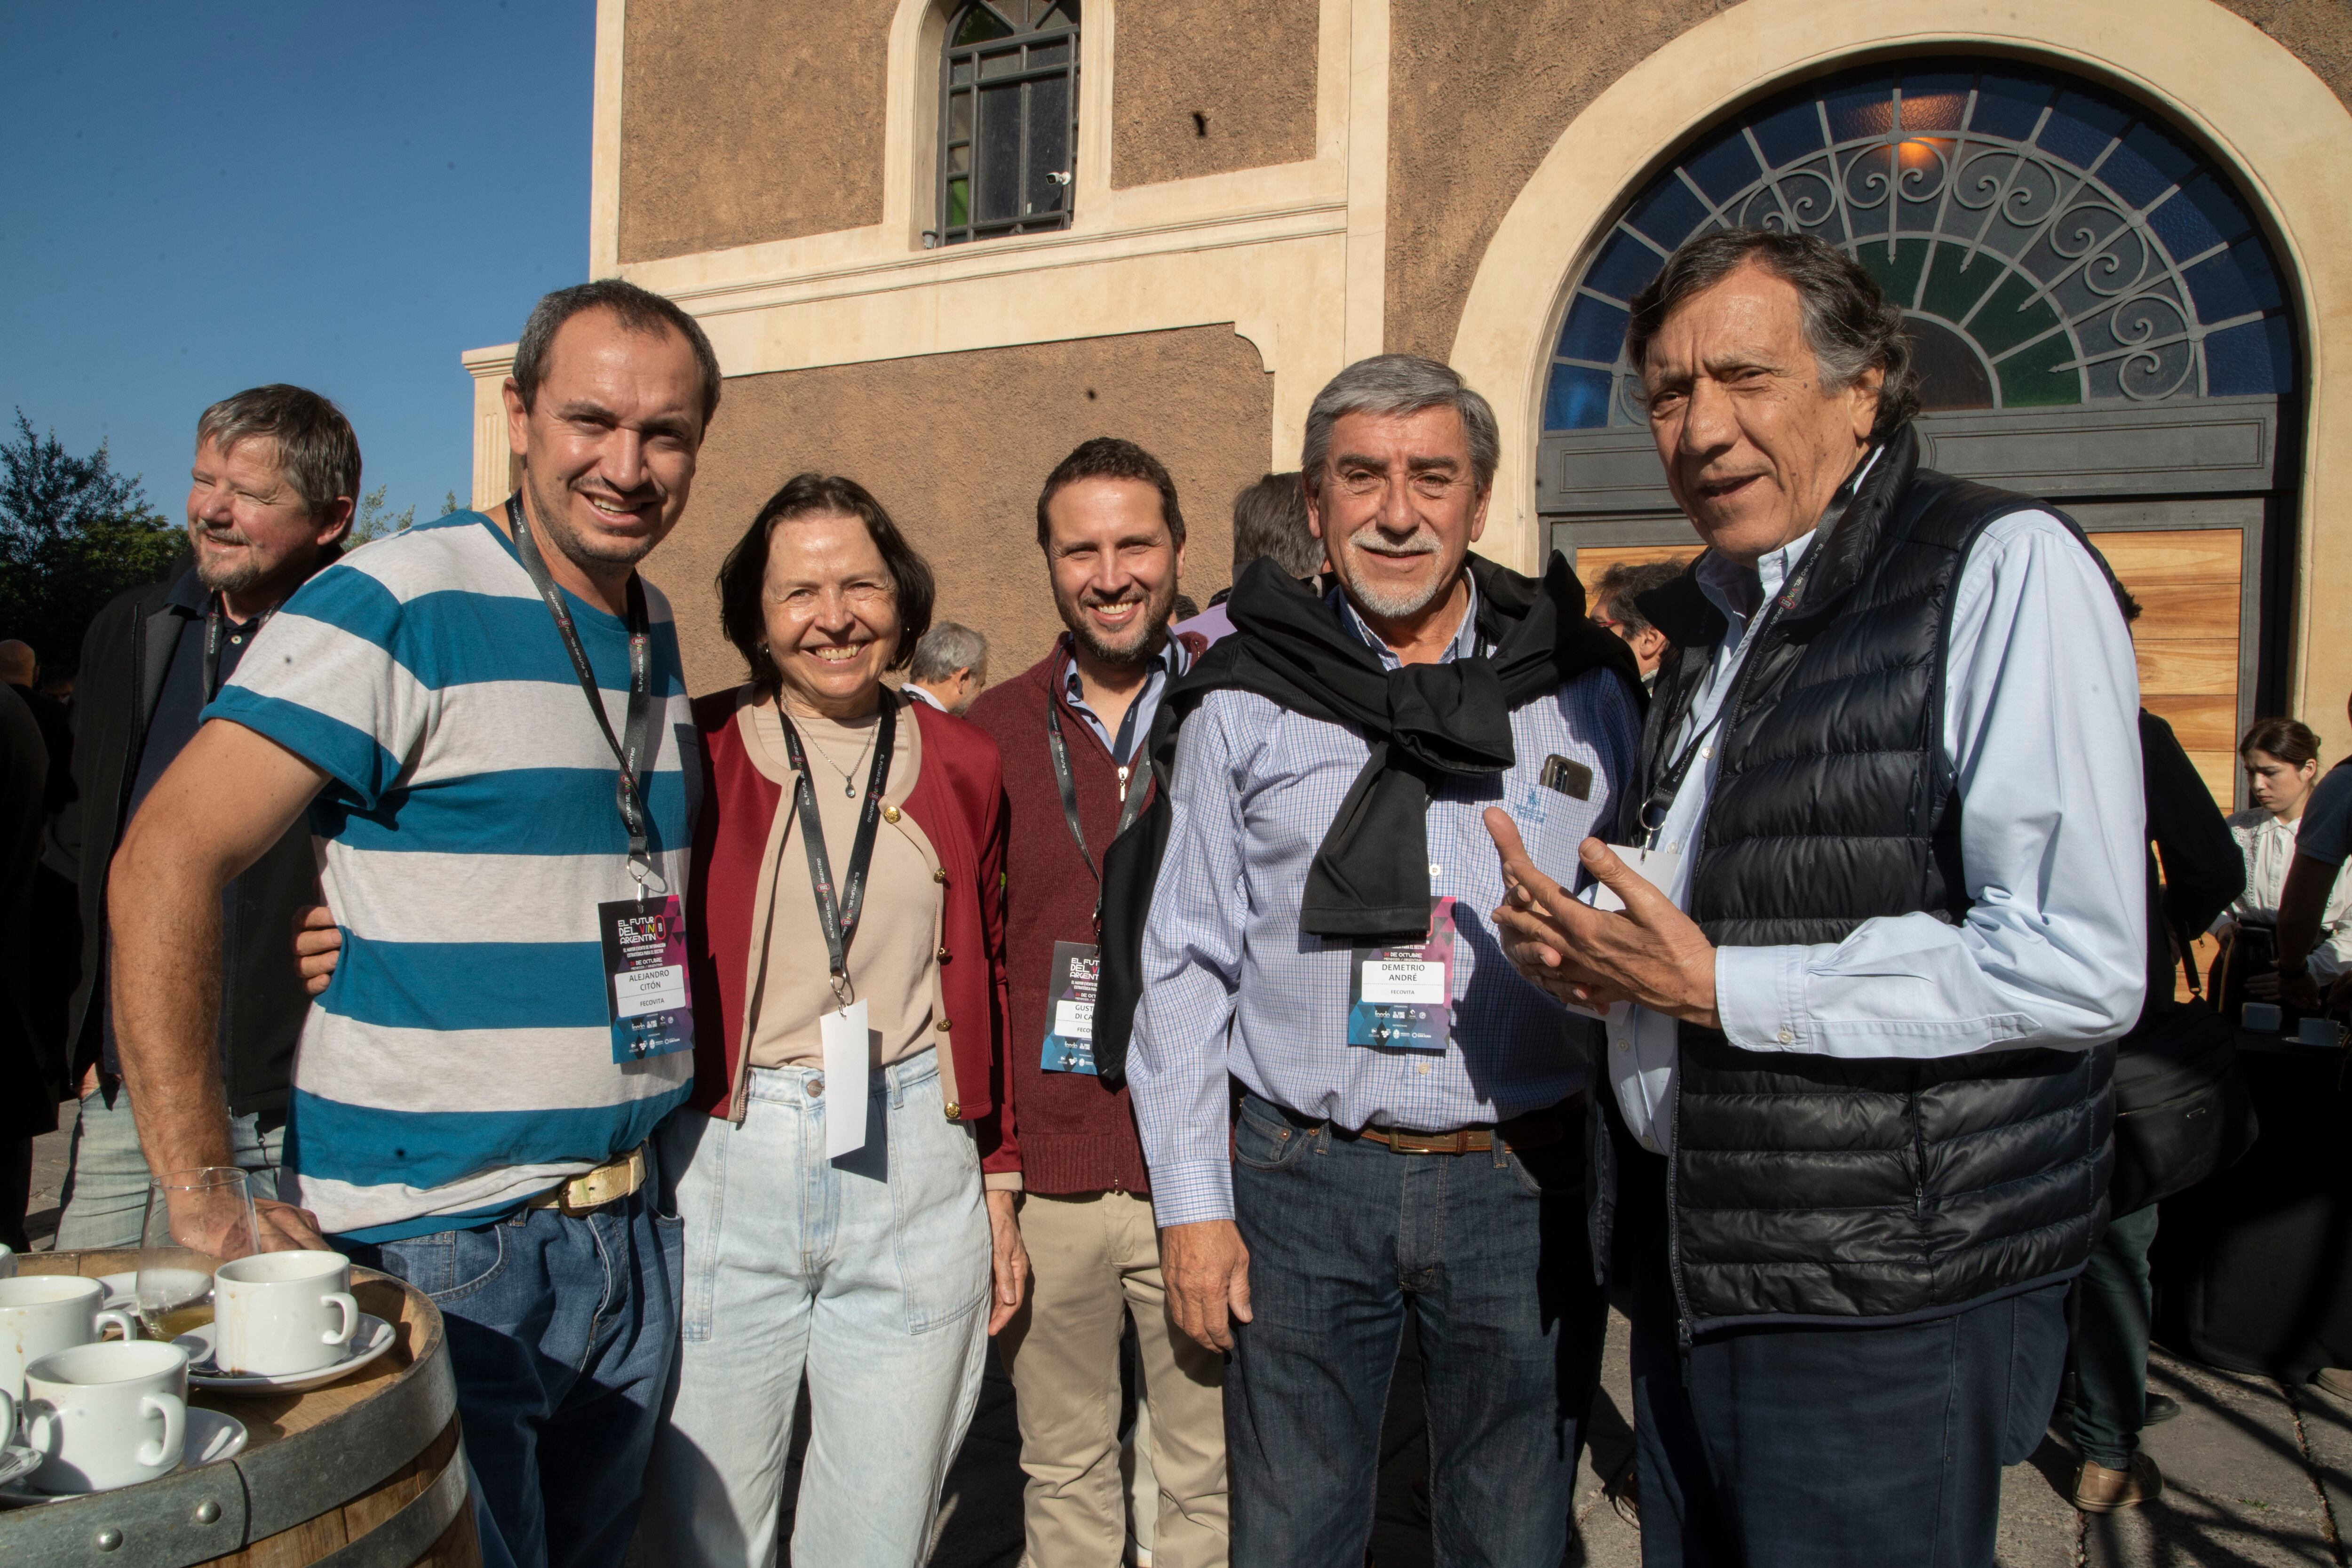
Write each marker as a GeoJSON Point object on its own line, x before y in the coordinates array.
{"type": "Point", "coordinates": [2041, 723]}
{"type": "Point", "coordinates": [1255, 788]}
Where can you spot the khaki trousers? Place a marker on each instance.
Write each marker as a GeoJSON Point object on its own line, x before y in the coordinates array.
{"type": "Point", "coordinates": [1093, 1260]}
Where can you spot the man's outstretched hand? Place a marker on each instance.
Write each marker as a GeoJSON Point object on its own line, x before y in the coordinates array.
{"type": "Point", "coordinates": [1650, 953]}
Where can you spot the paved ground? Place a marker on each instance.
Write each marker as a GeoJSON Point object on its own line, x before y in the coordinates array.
{"type": "Point", "coordinates": [2256, 1475]}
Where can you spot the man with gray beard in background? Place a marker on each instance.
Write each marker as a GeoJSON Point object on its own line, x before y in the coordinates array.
{"type": "Point", "coordinates": [269, 500]}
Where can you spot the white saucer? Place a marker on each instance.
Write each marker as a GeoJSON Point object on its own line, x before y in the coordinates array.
{"type": "Point", "coordinates": [212, 1438]}
{"type": "Point", "coordinates": [369, 1341]}
{"type": "Point", "coordinates": [122, 1291]}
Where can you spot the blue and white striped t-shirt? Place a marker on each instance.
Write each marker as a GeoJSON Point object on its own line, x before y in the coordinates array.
{"type": "Point", "coordinates": [461, 1060]}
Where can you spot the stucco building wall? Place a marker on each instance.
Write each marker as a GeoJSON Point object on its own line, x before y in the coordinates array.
{"type": "Point", "coordinates": [2317, 32]}
{"type": "Point", "coordinates": [1249, 71]}
{"type": "Point", "coordinates": [1478, 95]}
{"type": "Point", "coordinates": [744, 121]}
{"type": "Point", "coordinates": [955, 446]}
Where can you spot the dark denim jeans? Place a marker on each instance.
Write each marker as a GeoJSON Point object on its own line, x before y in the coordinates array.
{"type": "Point", "coordinates": [2111, 1341]}
{"type": "Point", "coordinates": [561, 1334]}
{"type": "Point", "coordinates": [1805, 1446]}
{"type": "Point", "coordinates": [1490, 1251]}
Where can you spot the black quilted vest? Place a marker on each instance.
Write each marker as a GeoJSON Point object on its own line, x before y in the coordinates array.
{"type": "Point", "coordinates": [1813, 1188]}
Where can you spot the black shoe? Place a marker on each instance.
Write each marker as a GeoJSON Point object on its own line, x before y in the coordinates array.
{"type": "Point", "coordinates": [2160, 1407]}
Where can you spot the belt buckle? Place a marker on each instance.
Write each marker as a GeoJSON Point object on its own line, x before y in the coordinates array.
{"type": "Point", "coordinates": [591, 1190]}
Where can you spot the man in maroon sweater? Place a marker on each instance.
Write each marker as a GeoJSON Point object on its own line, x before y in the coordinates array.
{"type": "Point", "coordinates": [1074, 728]}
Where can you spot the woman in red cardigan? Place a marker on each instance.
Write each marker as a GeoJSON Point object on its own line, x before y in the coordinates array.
{"type": "Point", "coordinates": [847, 952]}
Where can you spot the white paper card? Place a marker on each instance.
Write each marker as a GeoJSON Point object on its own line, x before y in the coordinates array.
{"type": "Point", "coordinates": [1074, 1020]}
{"type": "Point", "coordinates": [1659, 867]}
{"type": "Point", "coordinates": [845, 1055]}
{"type": "Point", "coordinates": [644, 991]}
{"type": "Point", "coordinates": [1412, 980]}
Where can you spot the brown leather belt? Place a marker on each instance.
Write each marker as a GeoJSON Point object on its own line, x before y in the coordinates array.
{"type": "Point", "coordinates": [1553, 1124]}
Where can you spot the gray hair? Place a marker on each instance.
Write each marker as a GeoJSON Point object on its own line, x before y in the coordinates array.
{"type": "Point", "coordinates": [946, 648]}
{"type": "Point", "coordinates": [1399, 385]}
{"type": "Point", "coordinates": [1270, 520]}
{"type": "Point", "coordinates": [315, 444]}
{"type": "Point", "coordinates": [1849, 322]}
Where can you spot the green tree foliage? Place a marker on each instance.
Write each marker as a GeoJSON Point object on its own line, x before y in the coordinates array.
{"type": "Point", "coordinates": [73, 533]}
{"type": "Point", "coordinates": [374, 520]}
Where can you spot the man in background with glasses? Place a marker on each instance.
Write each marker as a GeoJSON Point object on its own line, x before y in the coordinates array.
{"type": "Point", "coordinates": [270, 502]}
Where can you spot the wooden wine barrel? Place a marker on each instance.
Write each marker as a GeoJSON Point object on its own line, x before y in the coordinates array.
{"type": "Point", "coordinates": [365, 1473]}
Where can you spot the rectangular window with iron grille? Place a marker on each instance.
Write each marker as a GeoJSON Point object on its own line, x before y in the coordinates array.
{"type": "Point", "coordinates": [1008, 120]}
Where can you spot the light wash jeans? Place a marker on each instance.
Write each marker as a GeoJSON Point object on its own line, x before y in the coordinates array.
{"type": "Point", "coordinates": [872, 1272]}
{"type": "Point", "coordinates": [106, 1183]}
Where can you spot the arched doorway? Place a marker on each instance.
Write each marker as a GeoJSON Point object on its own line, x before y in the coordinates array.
{"type": "Point", "coordinates": [2099, 317]}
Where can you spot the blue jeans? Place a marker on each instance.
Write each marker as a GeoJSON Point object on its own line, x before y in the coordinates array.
{"type": "Point", "coordinates": [1489, 1250]}
{"type": "Point", "coordinates": [2111, 1341]}
{"type": "Point", "coordinates": [871, 1273]}
{"type": "Point", "coordinates": [561, 1330]}
{"type": "Point", "coordinates": [105, 1181]}
{"type": "Point", "coordinates": [1809, 1447]}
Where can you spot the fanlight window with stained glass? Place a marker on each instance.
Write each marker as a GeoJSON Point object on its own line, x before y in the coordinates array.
{"type": "Point", "coordinates": [2050, 243]}
{"type": "Point", "coordinates": [1008, 118]}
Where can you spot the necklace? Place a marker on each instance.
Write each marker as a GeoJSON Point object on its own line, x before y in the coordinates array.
{"type": "Point", "coordinates": [849, 774]}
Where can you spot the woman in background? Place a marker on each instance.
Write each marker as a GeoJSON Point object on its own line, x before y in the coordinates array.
{"type": "Point", "coordinates": [2281, 763]}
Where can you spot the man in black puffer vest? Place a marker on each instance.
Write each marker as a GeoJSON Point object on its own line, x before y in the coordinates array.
{"type": "Point", "coordinates": [1879, 916]}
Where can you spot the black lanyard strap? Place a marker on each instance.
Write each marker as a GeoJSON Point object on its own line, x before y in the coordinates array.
{"type": "Point", "coordinates": [1129, 806]}
{"type": "Point", "coordinates": [629, 747]}
{"type": "Point", "coordinates": [213, 645]}
{"type": "Point", "coordinates": [837, 915]}
{"type": "Point", "coordinates": [1670, 784]}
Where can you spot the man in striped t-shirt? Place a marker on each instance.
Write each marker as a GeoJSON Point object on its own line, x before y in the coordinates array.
{"type": "Point", "coordinates": [474, 1091]}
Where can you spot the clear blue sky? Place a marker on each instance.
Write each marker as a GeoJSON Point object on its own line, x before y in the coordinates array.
{"type": "Point", "coordinates": [204, 197]}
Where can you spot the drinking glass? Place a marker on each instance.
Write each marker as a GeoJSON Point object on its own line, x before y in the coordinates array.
{"type": "Point", "coordinates": [196, 1220]}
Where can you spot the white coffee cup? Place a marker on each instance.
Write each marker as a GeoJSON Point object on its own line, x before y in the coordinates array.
{"type": "Point", "coordinates": [280, 1314]}
{"type": "Point", "coordinates": [44, 1312]}
{"type": "Point", "coordinates": [107, 1415]}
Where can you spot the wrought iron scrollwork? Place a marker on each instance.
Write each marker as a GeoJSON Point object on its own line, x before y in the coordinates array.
{"type": "Point", "coordinates": [2078, 248]}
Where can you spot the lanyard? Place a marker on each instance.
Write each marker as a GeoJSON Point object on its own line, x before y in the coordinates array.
{"type": "Point", "coordinates": [1131, 792]}
{"type": "Point", "coordinates": [627, 793]}
{"type": "Point", "coordinates": [838, 918]}
{"type": "Point", "coordinates": [1670, 784]}
{"type": "Point", "coordinates": [213, 620]}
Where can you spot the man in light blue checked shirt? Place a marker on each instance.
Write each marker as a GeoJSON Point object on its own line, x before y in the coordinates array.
{"type": "Point", "coordinates": [1410, 1123]}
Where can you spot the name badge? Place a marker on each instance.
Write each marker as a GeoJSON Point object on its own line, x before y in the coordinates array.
{"type": "Point", "coordinates": [1070, 1008]}
{"type": "Point", "coordinates": [1401, 998]}
{"type": "Point", "coordinates": [644, 977]}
